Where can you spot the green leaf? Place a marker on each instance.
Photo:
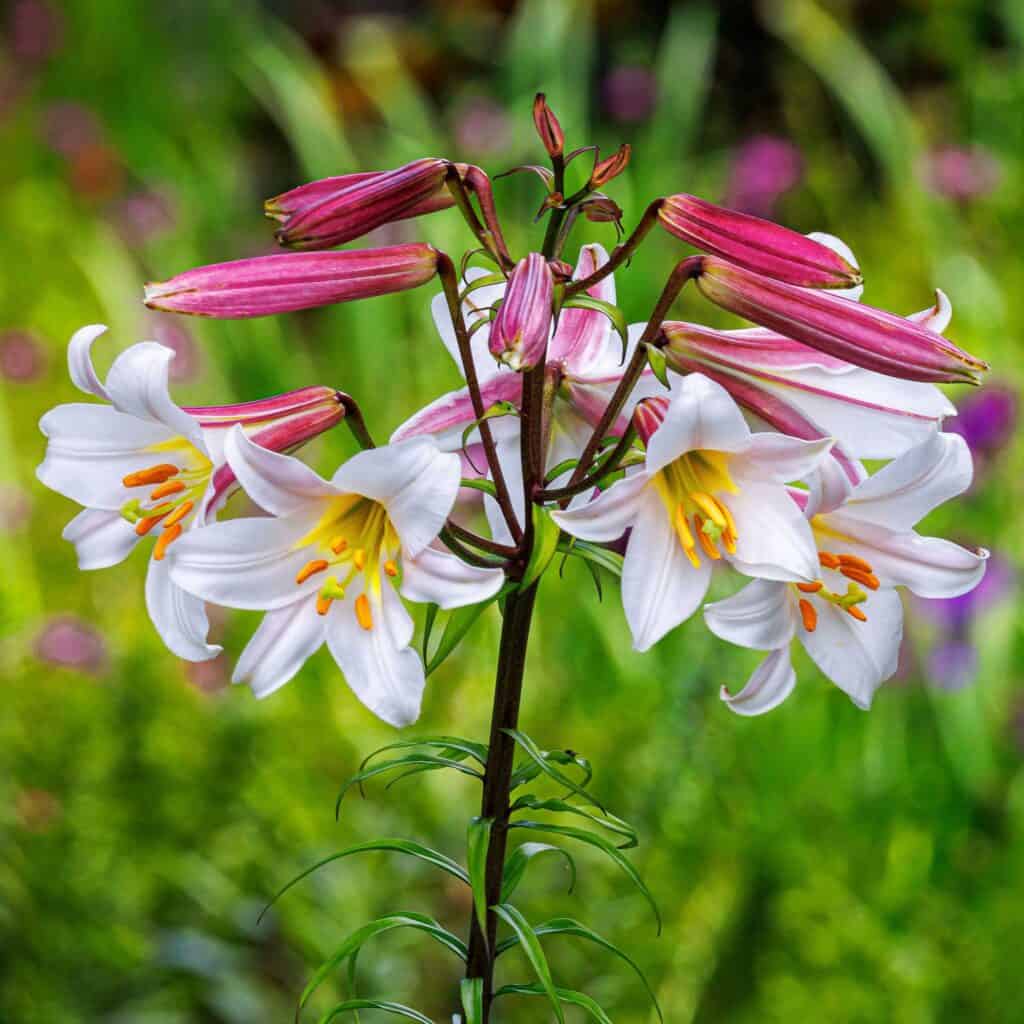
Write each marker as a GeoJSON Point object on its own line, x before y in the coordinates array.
{"type": "Point", "coordinates": [569, 926]}
{"type": "Point", "coordinates": [460, 622]}
{"type": "Point", "coordinates": [375, 1004]}
{"type": "Point", "coordinates": [354, 942]}
{"type": "Point", "coordinates": [472, 992]}
{"type": "Point", "coordinates": [531, 947]}
{"type": "Point", "coordinates": [478, 841]}
{"type": "Point", "coordinates": [428, 629]}
{"type": "Point", "coordinates": [605, 819]}
{"type": "Point", "coordinates": [658, 364]}
{"type": "Point", "coordinates": [594, 554]}
{"type": "Point", "coordinates": [487, 486]}
{"type": "Point", "coordinates": [614, 314]}
{"type": "Point", "coordinates": [484, 281]}
{"type": "Point", "coordinates": [406, 846]}
{"type": "Point", "coordinates": [600, 843]}
{"type": "Point", "coordinates": [542, 760]}
{"type": "Point", "coordinates": [530, 770]}
{"type": "Point", "coordinates": [567, 995]}
{"type": "Point", "coordinates": [519, 859]}
{"type": "Point", "coordinates": [546, 533]}
{"type": "Point", "coordinates": [455, 745]}
{"type": "Point", "coordinates": [496, 411]}
{"type": "Point", "coordinates": [428, 761]}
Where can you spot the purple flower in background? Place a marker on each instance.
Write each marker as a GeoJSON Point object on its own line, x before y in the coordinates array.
{"type": "Point", "coordinates": [630, 94]}
{"type": "Point", "coordinates": [763, 168]}
{"type": "Point", "coordinates": [143, 216]}
{"type": "Point", "coordinates": [172, 334]}
{"type": "Point", "coordinates": [962, 173]}
{"type": "Point", "coordinates": [21, 357]}
{"type": "Point", "coordinates": [986, 420]}
{"type": "Point", "coordinates": [15, 508]}
{"type": "Point", "coordinates": [34, 31]}
{"type": "Point", "coordinates": [67, 128]}
{"type": "Point", "coordinates": [68, 642]}
{"type": "Point", "coordinates": [481, 126]}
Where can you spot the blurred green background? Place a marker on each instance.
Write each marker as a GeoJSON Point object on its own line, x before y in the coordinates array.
{"type": "Point", "coordinates": [819, 864]}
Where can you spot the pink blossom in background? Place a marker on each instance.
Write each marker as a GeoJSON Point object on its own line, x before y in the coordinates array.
{"type": "Point", "coordinates": [35, 30]}
{"type": "Point", "coordinates": [630, 94]}
{"type": "Point", "coordinates": [209, 676]}
{"type": "Point", "coordinates": [481, 127]}
{"type": "Point", "coordinates": [763, 169]}
{"type": "Point", "coordinates": [69, 642]}
{"type": "Point", "coordinates": [15, 508]}
{"type": "Point", "coordinates": [172, 333]}
{"type": "Point", "coordinates": [68, 127]}
{"type": "Point", "coordinates": [143, 216]}
{"type": "Point", "coordinates": [962, 173]}
{"type": "Point", "coordinates": [22, 358]}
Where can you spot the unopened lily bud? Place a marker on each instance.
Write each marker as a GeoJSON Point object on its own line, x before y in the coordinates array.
{"type": "Point", "coordinates": [867, 337]}
{"type": "Point", "coordinates": [548, 128]}
{"type": "Point", "coordinates": [519, 334]}
{"type": "Point", "coordinates": [610, 167]}
{"type": "Point", "coordinates": [332, 211]}
{"type": "Point", "coordinates": [561, 270]}
{"type": "Point", "coordinates": [756, 244]}
{"type": "Point", "coordinates": [648, 416]}
{"type": "Point", "coordinates": [601, 209]}
{"type": "Point", "coordinates": [283, 283]}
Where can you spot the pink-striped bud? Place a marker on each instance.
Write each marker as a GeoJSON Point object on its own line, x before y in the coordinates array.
{"type": "Point", "coordinates": [548, 128]}
{"type": "Point", "coordinates": [519, 334]}
{"type": "Point", "coordinates": [862, 335]}
{"type": "Point", "coordinates": [648, 416]}
{"type": "Point", "coordinates": [611, 167]}
{"type": "Point", "coordinates": [264, 285]}
{"type": "Point", "coordinates": [332, 211]}
{"type": "Point", "coordinates": [756, 244]}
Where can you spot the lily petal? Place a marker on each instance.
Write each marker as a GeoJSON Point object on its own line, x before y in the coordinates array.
{"type": "Point", "coordinates": [608, 516]}
{"type": "Point", "coordinates": [285, 639]}
{"type": "Point", "coordinates": [773, 539]}
{"type": "Point", "coordinates": [772, 682]}
{"type": "Point", "coordinates": [760, 616]}
{"type": "Point", "coordinates": [838, 246]}
{"type": "Point", "coordinates": [475, 307]}
{"type": "Point", "coordinates": [179, 617]}
{"type": "Point", "coordinates": [583, 339]}
{"type": "Point", "coordinates": [441, 578]}
{"type": "Point", "coordinates": [82, 372]}
{"type": "Point", "coordinates": [776, 458]}
{"type": "Point", "coordinates": [101, 538]}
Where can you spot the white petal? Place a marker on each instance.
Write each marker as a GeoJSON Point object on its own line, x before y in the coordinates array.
{"type": "Point", "coordinates": [828, 488]}
{"type": "Point", "coordinates": [278, 483]}
{"type": "Point", "coordinates": [245, 563]}
{"type": "Point", "coordinates": [936, 317]}
{"type": "Point", "coordinates": [857, 656]}
{"type": "Point", "coordinates": [101, 538]}
{"type": "Point", "coordinates": [776, 458]}
{"type": "Point", "coordinates": [660, 588]}
{"type": "Point", "coordinates": [137, 384]}
{"type": "Point", "coordinates": [82, 372]}
{"type": "Point", "coordinates": [837, 245]}
{"type": "Point", "coordinates": [508, 452]}
{"type": "Point", "coordinates": [472, 309]}
{"type": "Point", "coordinates": [439, 577]}
{"type": "Point", "coordinates": [286, 638]}
{"type": "Point", "coordinates": [760, 616]}
{"type": "Point", "coordinates": [384, 672]}
{"type": "Point", "coordinates": [908, 488]}
{"type": "Point", "coordinates": [415, 481]}
{"type": "Point", "coordinates": [773, 540]}
{"type": "Point", "coordinates": [701, 415]}
{"type": "Point", "coordinates": [772, 682]}
{"type": "Point", "coordinates": [928, 566]}
{"type": "Point", "coordinates": [180, 618]}
{"type": "Point", "coordinates": [91, 448]}
{"type": "Point", "coordinates": [608, 516]}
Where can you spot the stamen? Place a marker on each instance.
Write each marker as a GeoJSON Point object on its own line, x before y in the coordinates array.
{"type": "Point", "coordinates": [731, 533]}
{"type": "Point", "coordinates": [310, 569]}
{"type": "Point", "coordinates": [323, 604]}
{"type": "Point", "coordinates": [870, 580]}
{"type": "Point", "coordinates": [711, 508]}
{"type": "Point", "coordinates": [359, 559]}
{"type": "Point", "coordinates": [705, 541]}
{"type": "Point", "coordinates": [809, 615]}
{"type": "Point", "coordinates": [144, 525]}
{"type": "Point", "coordinates": [810, 588]}
{"type": "Point", "coordinates": [179, 513]}
{"type": "Point", "coordinates": [338, 544]}
{"type": "Point", "coordinates": [390, 568]}
{"type": "Point", "coordinates": [853, 610]}
{"type": "Point", "coordinates": [165, 540]}
{"type": "Point", "coordinates": [685, 536]}
{"type": "Point", "coordinates": [153, 475]}
{"type": "Point", "coordinates": [853, 562]}
{"type": "Point", "coordinates": [363, 613]}
{"type": "Point", "coordinates": [171, 487]}
{"type": "Point", "coordinates": [828, 560]}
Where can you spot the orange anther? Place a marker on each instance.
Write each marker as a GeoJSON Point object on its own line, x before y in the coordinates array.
{"type": "Point", "coordinates": [323, 604]}
{"type": "Point", "coordinates": [359, 559]}
{"type": "Point", "coordinates": [363, 612]}
{"type": "Point", "coordinates": [868, 579]}
{"type": "Point", "coordinates": [390, 568]}
{"type": "Point", "coordinates": [809, 615]}
{"type": "Point", "coordinates": [705, 541]}
{"type": "Point", "coordinates": [164, 541]}
{"type": "Point", "coordinates": [153, 475]}
{"type": "Point", "coordinates": [171, 487]}
{"type": "Point", "coordinates": [143, 526]}
{"type": "Point", "coordinates": [828, 560]}
{"type": "Point", "coordinates": [853, 562]}
{"type": "Point", "coordinates": [810, 588]}
{"type": "Point", "coordinates": [338, 544]}
{"type": "Point", "coordinates": [310, 568]}
{"type": "Point", "coordinates": [711, 508]}
{"type": "Point", "coordinates": [856, 613]}
{"type": "Point", "coordinates": [179, 513]}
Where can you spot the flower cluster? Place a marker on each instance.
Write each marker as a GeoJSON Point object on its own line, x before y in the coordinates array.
{"type": "Point", "coordinates": [658, 450]}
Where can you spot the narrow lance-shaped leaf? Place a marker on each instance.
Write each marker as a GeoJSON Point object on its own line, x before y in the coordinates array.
{"type": "Point", "coordinates": [567, 995]}
{"type": "Point", "coordinates": [453, 744]}
{"type": "Point", "coordinates": [614, 314]}
{"type": "Point", "coordinates": [542, 760]}
{"type": "Point", "coordinates": [518, 860]}
{"type": "Point", "coordinates": [426, 760]}
{"type": "Point", "coordinates": [531, 770]}
{"type": "Point", "coordinates": [605, 818]}
{"type": "Point", "coordinates": [478, 841]}
{"type": "Point", "coordinates": [594, 554]}
{"type": "Point", "coordinates": [354, 1005]}
{"type": "Point", "coordinates": [531, 947]}
{"type": "Point", "coordinates": [472, 992]}
{"type": "Point", "coordinates": [460, 622]}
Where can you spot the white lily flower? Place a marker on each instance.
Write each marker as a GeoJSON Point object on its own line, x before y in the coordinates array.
{"type": "Point", "coordinates": [325, 569]}
{"type": "Point", "coordinates": [142, 464]}
{"type": "Point", "coordinates": [709, 489]}
{"type": "Point", "coordinates": [850, 620]}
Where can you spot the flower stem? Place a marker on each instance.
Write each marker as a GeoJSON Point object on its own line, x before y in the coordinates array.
{"type": "Point", "coordinates": [508, 688]}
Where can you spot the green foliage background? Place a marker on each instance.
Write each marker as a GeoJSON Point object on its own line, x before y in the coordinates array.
{"type": "Point", "coordinates": [820, 863]}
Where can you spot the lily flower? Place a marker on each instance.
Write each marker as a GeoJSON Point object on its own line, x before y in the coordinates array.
{"type": "Point", "coordinates": [849, 618]}
{"type": "Point", "coordinates": [326, 568]}
{"type": "Point", "coordinates": [144, 466]}
{"type": "Point", "coordinates": [709, 490]}
{"type": "Point", "coordinates": [519, 334]}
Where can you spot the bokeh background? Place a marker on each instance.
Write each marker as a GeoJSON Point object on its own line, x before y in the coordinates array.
{"type": "Point", "coordinates": [819, 864]}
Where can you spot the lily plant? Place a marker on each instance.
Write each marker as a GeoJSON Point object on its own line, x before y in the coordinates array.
{"type": "Point", "coordinates": [664, 453]}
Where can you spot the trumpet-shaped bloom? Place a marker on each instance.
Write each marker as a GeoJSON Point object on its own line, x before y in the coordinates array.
{"type": "Point", "coordinates": [325, 568]}
{"type": "Point", "coordinates": [850, 618]}
{"type": "Point", "coordinates": [709, 490]}
{"type": "Point", "coordinates": [144, 466]}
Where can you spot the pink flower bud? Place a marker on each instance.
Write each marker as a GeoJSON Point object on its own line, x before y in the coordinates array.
{"type": "Point", "coordinates": [282, 283]}
{"type": "Point", "coordinates": [648, 416]}
{"type": "Point", "coordinates": [867, 337]}
{"type": "Point", "coordinates": [611, 167]}
{"type": "Point", "coordinates": [548, 128]}
{"type": "Point", "coordinates": [332, 211]}
{"type": "Point", "coordinates": [519, 334]}
{"type": "Point", "coordinates": [756, 244]}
